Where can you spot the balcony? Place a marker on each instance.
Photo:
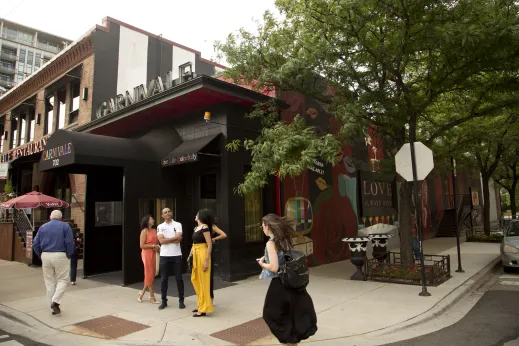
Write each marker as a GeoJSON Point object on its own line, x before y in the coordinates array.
{"type": "Point", "coordinates": [48, 47]}
{"type": "Point", "coordinates": [7, 83]}
{"type": "Point", "coordinates": [7, 70]}
{"type": "Point", "coordinates": [8, 56]}
{"type": "Point", "coordinates": [17, 39]}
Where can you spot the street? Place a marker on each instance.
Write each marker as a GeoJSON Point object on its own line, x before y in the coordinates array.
{"type": "Point", "coordinates": [493, 321]}
{"type": "Point", "coordinates": [13, 340]}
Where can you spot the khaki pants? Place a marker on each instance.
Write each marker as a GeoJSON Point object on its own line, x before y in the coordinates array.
{"type": "Point", "coordinates": [56, 271]}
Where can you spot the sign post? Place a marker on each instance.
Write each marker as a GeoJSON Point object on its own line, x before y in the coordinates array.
{"type": "Point", "coordinates": [408, 167]}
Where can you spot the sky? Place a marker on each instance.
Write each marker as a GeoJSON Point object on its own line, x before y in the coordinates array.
{"type": "Point", "coordinates": [193, 23]}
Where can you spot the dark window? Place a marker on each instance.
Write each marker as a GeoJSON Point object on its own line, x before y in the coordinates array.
{"type": "Point", "coordinates": [49, 115]}
{"type": "Point", "coordinates": [14, 132]}
{"type": "Point", "coordinates": [74, 103]}
{"type": "Point", "coordinates": [208, 186]}
{"type": "Point", "coordinates": [37, 61]}
{"type": "Point", "coordinates": [62, 99]}
{"type": "Point", "coordinates": [23, 129]}
{"type": "Point", "coordinates": [31, 121]}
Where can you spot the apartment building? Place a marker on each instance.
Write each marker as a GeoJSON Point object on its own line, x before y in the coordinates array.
{"type": "Point", "coordinates": [23, 51]}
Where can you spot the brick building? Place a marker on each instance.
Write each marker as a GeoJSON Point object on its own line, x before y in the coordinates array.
{"type": "Point", "coordinates": [114, 124]}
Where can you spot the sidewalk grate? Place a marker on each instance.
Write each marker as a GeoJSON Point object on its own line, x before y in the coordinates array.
{"type": "Point", "coordinates": [245, 333]}
{"type": "Point", "coordinates": [112, 327]}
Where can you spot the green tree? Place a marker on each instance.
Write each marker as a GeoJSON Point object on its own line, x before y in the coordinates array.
{"type": "Point", "coordinates": [507, 175]}
{"type": "Point", "coordinates": [388, 63]}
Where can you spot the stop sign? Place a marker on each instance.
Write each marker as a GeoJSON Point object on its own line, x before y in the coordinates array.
{"type": "Point", "coordinates": [423, 158]}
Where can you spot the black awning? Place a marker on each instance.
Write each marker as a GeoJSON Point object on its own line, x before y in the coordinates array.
{"type": "Point", "coordinates": [66, 148]}
{"type": "Point", "coordinates": [188, 151]}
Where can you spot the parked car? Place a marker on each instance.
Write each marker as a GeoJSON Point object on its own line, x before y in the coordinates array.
{"type": "Point", "coordinates": [510, 246]}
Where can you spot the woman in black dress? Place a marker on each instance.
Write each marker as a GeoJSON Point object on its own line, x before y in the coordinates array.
{"type": "Point", "coordinates": [289, 313]}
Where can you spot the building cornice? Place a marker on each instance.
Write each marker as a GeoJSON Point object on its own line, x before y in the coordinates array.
{"type": "Point", "coordinates": [51, 71]}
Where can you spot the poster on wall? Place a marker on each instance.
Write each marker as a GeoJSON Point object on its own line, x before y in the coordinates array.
{"type": "Point", "coordinates": [377, 197]}
{"type": "Point", "coordinates": [4, 171]}
{"type": "Point", "coordinates": [108, 214]}
{"type": "Point", "coordinates": [28, 246]}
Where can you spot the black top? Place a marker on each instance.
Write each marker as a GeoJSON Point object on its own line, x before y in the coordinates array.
{"type": "Point", "coordinates": [198, 236]}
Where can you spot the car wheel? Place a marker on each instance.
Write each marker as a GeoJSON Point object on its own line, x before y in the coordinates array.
{"type": "Point", "coordinates": [507, 269]}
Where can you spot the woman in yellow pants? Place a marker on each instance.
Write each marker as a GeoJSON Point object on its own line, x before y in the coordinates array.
{"type": "Point", "coordinates": [201, 252]}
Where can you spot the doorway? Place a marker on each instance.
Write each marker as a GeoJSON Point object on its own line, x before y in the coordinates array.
{"type": "Point", "coordinates": [61, 190]}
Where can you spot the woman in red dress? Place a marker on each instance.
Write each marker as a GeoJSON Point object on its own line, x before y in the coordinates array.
{"type": "Point", "coordinates": [149, 246]}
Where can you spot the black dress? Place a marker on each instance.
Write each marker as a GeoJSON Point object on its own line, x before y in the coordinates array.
{"type": "Point", "coordinates": [289, 314]}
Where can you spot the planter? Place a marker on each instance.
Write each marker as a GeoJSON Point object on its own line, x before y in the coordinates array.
{"type": "Point", "coordinates": [379, 243]}
{"type": "Point", "coordinates": [358, 255]}
{"type": "Point", "coordinates": [437, 270]}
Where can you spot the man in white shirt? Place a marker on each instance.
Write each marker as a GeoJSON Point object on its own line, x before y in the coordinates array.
{"type": "Point", "coordinates": [170, 235]}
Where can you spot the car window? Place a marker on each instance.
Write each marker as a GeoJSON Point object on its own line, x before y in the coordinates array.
{"type": "Point", "coordinates": [513, 230]}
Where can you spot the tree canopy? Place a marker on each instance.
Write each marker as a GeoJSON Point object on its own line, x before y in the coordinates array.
{"type": "Point", "coordinates": [400, 65]}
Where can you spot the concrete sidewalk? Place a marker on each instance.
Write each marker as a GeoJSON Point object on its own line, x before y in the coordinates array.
{"type": "Point", "coordinates": [349, 312]}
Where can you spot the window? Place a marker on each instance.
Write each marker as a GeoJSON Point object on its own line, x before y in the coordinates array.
{"type": "Point", "coordinates": [23, 134]}
{"type": "Point", "coordinates": [37, 61]}
{"type": "Point", "coordinates": [20, 77]}
{"type": "Point", "coordinates": [2, 132]}
{"type": "Point", "coordinates": [49, 115]}
{"type": "Point", "coordinates": [253, 215]}
{"type": "Point", "coordinates": [31, 122]}
{"type": "Point", "coordinates": [74, 103]}
{"type": "Point", "coordinates": [21, 58]}
{"type": "Point", "coordinates": [14, 132]}
{"type": "Point", "coordinates": [62, 99]}
{"type": "Point", "coordinates": [30, 56]}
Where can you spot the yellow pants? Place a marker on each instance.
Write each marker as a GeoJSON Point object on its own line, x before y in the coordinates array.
{"type": "Point", "coordinates": [202, 279]}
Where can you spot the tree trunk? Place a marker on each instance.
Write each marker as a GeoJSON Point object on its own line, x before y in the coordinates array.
{"type": "Point", "coordinates": [406, 205]}
{"type": "Point", "coordinates": [486, 204]}
{"type": "Point", "coordinates": [513, 204]}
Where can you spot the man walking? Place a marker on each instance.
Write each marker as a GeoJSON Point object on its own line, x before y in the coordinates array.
{"type": "Point", "coordinates": [54, 244]}
{"type": "Point", "coordinates": [170, 235]}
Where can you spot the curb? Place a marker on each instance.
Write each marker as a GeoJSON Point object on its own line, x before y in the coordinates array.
{"type": "Point", "coordinates": [472, 284]}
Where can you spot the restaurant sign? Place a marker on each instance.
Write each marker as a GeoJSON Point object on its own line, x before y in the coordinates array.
{"type": "Point", "coordinates": [59, 155]}
{"type": "Point", "coordinates": [377, 194]}
{"type": "Point", "coordinates": [179, 160]}
{"type": "Point", "coordinates": [139, 93]}
{"type": "Point", "coordinates": [26, 150]}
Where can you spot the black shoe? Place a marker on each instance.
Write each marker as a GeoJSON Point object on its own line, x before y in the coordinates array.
{"type": "Point", "coordinates": [55, 309]}
{"type": "Point", "coordinates": [201, 315]}
{"type": "Point", "coordinates": [163, 305]}
{"type": "Point", "coordinates": [181, 305]}
{"type": "Point", "coordinates": [196, 310]}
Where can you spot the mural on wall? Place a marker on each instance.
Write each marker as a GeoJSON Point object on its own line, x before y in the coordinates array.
{"type": "Point", "coordinates": [326, 201]}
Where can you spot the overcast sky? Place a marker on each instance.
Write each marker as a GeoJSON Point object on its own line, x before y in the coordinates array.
{"type": "Point", "coordinates": [193, 23]}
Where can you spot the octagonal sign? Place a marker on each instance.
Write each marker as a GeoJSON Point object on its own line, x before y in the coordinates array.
{"type": "Point", "coordinates": [424, 161]}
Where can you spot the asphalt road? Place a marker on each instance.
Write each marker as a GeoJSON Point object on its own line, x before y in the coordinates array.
{"type": "Point", "coordinates": [493, 321]}
{"type": "Point", "coordinates": [14, 340]}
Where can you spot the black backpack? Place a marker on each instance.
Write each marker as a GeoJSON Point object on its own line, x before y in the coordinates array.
{"type": "Point", "coordinates": [294, 272]}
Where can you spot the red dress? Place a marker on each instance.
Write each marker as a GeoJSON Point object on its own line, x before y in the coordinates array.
{"type": "Point", "coordinates": [149, 258]}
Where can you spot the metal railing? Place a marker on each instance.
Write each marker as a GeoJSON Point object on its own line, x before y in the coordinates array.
{"type": "Point", "coordinates": [22, 223]}
{"type": "Point", "coordinates": [48, 47]}
{"type": "Point", "coordinates": [8, 56]}
{"type": "Point", "coordinates": [7, 83]}
{"type": "Point", "coordinates": [17, 39]}
{"type": "Point", "coordinates": [7, 69]}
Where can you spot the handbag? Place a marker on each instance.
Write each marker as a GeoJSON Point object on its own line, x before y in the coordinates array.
{"type": "Point", "coordinates": [190, 263]}
{"type": "Point", "coordinates": [294, 272]}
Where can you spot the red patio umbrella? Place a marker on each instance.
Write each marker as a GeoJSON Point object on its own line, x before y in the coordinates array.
{"type": "Point", "coordinates": [33, 200]}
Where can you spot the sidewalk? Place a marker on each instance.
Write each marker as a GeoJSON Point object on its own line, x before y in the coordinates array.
{"type": "Point", "coordinates": [349, 312]}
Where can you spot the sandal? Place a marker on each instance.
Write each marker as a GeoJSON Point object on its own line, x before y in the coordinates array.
{"type": "Point", "coordinates": [139, 297]}
{"type": "Point", "coordinates": [153, 300]}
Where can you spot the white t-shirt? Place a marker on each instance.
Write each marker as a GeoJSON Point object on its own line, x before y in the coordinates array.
{"type": "Point", "coordinates": [170, 230]}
